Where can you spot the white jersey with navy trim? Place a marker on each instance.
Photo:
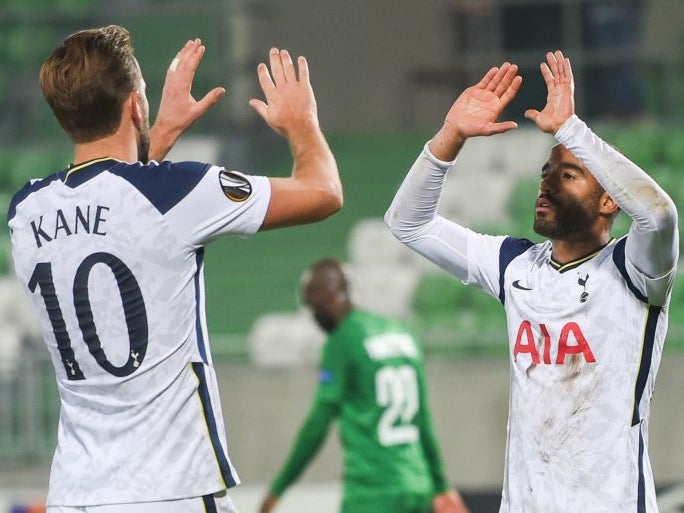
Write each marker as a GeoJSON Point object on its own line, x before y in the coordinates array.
{"type": "Point", "coordinates": [585, 346]}
{"type": "Point", "coordinates": [111, 255]}
{"type": "Point", "coordinates": [586, 338]}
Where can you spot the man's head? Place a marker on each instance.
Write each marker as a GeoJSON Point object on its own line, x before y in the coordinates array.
{"type": "Point", "coordinates": [571, 205]}
{"type": "Point", "coordinates": [326, 290]}
{"type": "Point", "coordinates": [88, 80]}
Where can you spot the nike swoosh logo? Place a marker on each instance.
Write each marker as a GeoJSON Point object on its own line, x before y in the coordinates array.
{"type": "Point", "coordinates": [517, 285]}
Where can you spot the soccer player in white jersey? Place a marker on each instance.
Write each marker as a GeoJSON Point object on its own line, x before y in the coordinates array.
{"type": "Point", "coordinates": [110, 251]}
{"type": "Point", "coordinates": [587, 314]}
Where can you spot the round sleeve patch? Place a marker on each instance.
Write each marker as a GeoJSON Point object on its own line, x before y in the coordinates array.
{"type": "Point", "coordinates": [235, 185]}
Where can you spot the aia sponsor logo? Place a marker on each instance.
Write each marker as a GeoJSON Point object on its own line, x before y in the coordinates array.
{"type": "Point", "coordinates": [570, 341]}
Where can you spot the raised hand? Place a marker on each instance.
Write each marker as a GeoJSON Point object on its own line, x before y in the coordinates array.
{"type": "Point", "coordinates": [178, 110]}
{"type": "Point", "coordinates": [560, 99]}
{"type": "Point", "coordinates": [476, 110]}
{"type": "Point", "coordinates": [290, 106]}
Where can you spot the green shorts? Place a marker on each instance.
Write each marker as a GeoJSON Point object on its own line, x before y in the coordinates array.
{"type": "Point", "coordinates": [402, 503]}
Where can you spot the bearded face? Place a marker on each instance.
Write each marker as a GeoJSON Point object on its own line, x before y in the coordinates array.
{"type": "Point", "coordinates": [560, 217]}
{"type": "Point", "coordinates": [568, 205]}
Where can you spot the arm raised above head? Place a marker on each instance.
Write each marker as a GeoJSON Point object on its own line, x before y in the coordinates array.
{"type": "Point", "coordinates": [313, 191]}
{"type": "Point", "coordinates": [178, 110]}
{"type": "Point", "coordinates": [476, 110]}
{"type": "Point", "coordinates": [560, 98]}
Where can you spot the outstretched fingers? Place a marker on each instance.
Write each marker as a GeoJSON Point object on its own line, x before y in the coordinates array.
{"type": "Point", "coordinates": [210, 99]}
{"type": "Point", "coordinates": [503, 78]}
{"type": "Point", "coordinates": [265, 80]}
{"type": "Point", "coordinates": [495, 77]}
{"type": "Point", "coordinates": [288, 67]}
{"type": "Point", "coordinates": [509, 93]}
{"type": "Point", "coordinates": [556, 69]}
{"type": "Point", "coordinates": [566, 67]}
{"type": "Point", "coordinates": [188, 58]}
{"type": "Point", "coordinates": [286, 88]}
{"type": "Point", "coordinates": [484, 83]}
{"type": "Point", "coordinates": [503, 81]}
{"type": "Point", "coordinates": [277, 68]}
{"type": "Point", "coordinates": [553, 65]}
{"type": "Point", "coordinates": [303, 68]}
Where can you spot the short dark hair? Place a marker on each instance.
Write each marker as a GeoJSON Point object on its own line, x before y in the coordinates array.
{"type": "Point", "coordinates": [87, 79]}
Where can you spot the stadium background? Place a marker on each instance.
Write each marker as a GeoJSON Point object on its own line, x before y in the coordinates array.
{"type": "Point", "coordinates": [384, 73]}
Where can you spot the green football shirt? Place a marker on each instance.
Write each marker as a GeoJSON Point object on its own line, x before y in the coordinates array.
{"type": "Point", "coordinates": [372, 381]}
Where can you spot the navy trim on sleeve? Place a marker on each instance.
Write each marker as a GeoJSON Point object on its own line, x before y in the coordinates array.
{"type": "Point", "coordinates": [209, 504]}
{"type": "Point", "coordinates": [510, 248]}
{"type": "Point", "coordinates": [199, 302]}
{"type": "Point", "coordinates": [164, 184]}
{"type": "Point", "coordinates": [619, 260]}
{"type": "Point", "coordinates": [207, 408]}
{"type": "Point", "coordinates": [641, 485]}
{"type": "Point", "coordinates": [646, 358]}
{"type": "Point", "coordinates": [28, 189]}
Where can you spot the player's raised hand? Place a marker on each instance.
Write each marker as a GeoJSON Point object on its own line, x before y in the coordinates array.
{"type": "Point", "coordinates": [290, 106]}
{"type": "Point", "coordinates": [560, 99]}
{"type": "Point", "coordinates": [178, 110]}
{"type": "Point", "coordinates": [477, 109]}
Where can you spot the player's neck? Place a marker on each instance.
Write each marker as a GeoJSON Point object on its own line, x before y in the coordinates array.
{"type": "Point", "coordinates": [117, 146]}
{"type": "Point", "coordinates": [564, 251]}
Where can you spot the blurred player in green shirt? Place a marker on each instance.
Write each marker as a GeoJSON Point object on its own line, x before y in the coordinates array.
{"type": "Point", "coordinates": [372, 379]}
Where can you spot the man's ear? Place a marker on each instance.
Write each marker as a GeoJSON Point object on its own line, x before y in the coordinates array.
{"type": "Point", "coordinates": [607, 205]}
{"type": "Point", "coordinates": [134, 107]}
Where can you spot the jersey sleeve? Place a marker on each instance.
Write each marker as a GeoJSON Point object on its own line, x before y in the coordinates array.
{"type": "Point", "coordinates": [333, 372]}
{"type": "Point", "coordinates": [484, 262]}
{"type": "Point", "coordinates": [474, 258]}
{"type": "Point", "coordinates": [217, 203]}
{"type": "Point", "coordinates": [413, 220]}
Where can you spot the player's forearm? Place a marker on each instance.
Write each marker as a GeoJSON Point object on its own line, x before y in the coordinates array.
{"type": "Point", "coordinates": [653, 212]}
{"type": "Point", "coordinates": [314, 164]}
{"type": "Point", "coordinates": [415, 203]}
{"type": "Point", "coordinates": [412, 217]}
{"type": "Point", "coordinates": [313, 191]}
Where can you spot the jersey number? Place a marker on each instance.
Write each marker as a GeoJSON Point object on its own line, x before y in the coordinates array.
{"type": "Point", "coordinates": [396, 390]}
{"type": "Point", "coordinates": [133, 306]}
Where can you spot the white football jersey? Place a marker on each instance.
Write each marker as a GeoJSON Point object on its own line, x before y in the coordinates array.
{"type": "Point", "coordinates": [111, 255]}
{"type": "Point", "coordinates": [585, 345]}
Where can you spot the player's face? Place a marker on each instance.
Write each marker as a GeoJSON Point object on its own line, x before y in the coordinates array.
{"type": "Point", "coordinates": [322, 296]}
{"type": "Point", "coordinates": [317, 298]}
{"type": "Point", "coordinates": [568, 204]}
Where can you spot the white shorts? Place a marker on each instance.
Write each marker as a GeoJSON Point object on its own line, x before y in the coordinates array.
{"type": "Point", "coordinates": [217, 503]}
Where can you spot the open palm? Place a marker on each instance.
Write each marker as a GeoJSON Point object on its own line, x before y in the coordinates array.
{"type": "Point", "coordinates": [560, 99]}
{"type": "Point", "coordinates": [476, 110]}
